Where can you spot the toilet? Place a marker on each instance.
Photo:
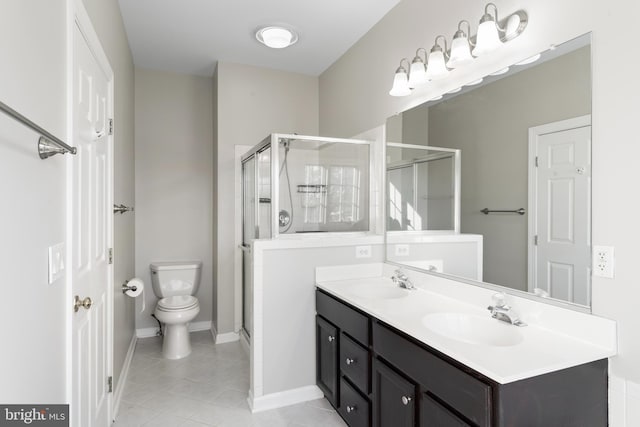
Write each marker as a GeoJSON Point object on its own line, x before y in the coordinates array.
{"type": "Point", "coordinates": [175, 283]}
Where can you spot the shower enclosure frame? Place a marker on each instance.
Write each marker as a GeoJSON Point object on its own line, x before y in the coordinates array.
{"type": "Point", "coordinates": [272, 141]}
{"type": "Point", "coordinates": [457, 185]}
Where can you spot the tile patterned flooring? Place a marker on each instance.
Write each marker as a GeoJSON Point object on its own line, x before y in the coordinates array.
{"type": "Point", "coordinates": [207, 388]}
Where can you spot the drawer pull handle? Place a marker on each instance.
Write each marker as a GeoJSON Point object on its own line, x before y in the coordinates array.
{"type": "Point", "coordinates": [351, 409]}
{"type": "Point", "coordinates": [331, 338]}
{"type": "Point", "coordinates": [406, 400]}
{"type": "Point", "coordinates": [350, 361]}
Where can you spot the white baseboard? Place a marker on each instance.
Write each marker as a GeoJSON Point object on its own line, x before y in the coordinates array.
{"type": "Point", "coordinates": [223, 338]}
{"type": "Point", "coordinates": [122, 381]}
{"type": "Point", "coordinates": [193, 327]}
{"type": "Point", "coordinates": [284, 398]}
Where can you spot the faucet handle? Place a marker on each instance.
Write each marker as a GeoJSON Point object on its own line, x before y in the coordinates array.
{"type": "Point", "coordinates": [499, 299]}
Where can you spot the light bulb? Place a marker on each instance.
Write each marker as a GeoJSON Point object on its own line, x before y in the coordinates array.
{"type": "Point", "coordinates": [460, 51]}
{"type": "Point", "coordinates": [436, 68]}
{"type": "Point", "coordinates": [488, 38]}
{"type": "Point", "coordinates": [400, 83]}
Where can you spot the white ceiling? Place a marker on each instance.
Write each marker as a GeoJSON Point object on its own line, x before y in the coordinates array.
{"type": "Point", "coordinates": [190, 36]}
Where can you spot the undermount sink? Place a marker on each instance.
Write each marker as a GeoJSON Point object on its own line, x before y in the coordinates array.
{"type": "Point", "coordinates": [377, 291]}
{"type": "Point", "coordinates": [473, 329]}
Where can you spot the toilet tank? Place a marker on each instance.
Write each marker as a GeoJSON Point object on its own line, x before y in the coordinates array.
{"type": "Point", "coordinates": [175, 278]}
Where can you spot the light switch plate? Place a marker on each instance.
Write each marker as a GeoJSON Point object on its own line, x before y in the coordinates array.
{"type": "Point", "coordinates": [57, 262]}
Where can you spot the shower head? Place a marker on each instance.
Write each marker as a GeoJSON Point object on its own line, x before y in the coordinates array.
{"type": "Point", "coordinates": [285, 142]}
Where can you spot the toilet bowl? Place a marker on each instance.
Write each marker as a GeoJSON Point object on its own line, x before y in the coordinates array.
{"type": "Point", "coordinates": [175, 283]}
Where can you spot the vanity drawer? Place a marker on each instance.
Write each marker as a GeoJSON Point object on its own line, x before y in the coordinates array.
{"type": "Point", "coordinates": [344, 317]}
{"type": "Point", "coordinates": [459, 390]}
{"type": "Point", "coordinates": [355, 363]}
{"type": "Point", "coordinates": [354, 408]}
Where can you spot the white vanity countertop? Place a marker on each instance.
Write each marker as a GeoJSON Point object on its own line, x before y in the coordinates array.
{"type": "Point", "coordinates": [555, 338]}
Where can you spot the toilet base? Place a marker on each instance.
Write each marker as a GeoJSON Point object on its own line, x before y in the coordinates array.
{"type": "Point", "coordinates": [176, 343]}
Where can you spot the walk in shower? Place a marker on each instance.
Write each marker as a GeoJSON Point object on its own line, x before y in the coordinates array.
{"type": "Point", "coordinates": [294, 185]}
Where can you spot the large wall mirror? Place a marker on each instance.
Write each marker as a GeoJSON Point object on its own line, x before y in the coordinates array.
{"type": "Point", "coordinates": [493, 184]}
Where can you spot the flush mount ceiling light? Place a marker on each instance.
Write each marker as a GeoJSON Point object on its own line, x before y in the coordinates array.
{"type": "Point", "coordinates": [492, 34]}
{"type": "Point", "coordinates": [276, 37]}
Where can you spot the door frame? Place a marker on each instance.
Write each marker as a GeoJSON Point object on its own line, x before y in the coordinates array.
{"type": "Point", "coordinates": [532, 190]}
{"type": "Point", "coordinates": [77, 16]}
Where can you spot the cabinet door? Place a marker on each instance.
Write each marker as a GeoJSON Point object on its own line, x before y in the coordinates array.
{"type": "Point", "coordinates": [394, 398]}
{"type": "Point", "coordinates": [432, 414]}
{"type": "Point", "coordinates": [327, 359]}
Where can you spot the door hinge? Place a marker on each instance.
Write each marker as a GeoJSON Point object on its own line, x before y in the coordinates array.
{"type": "Point", "coordinates": [110, 255]}
{"type": "Point", "coordinates": [537, 161]}
{"type": "Point", "coordinates": [110, 384]}
{"type": "Point", "coordinates": [110, 126]}
{"type": "Point", "coordinates": [535, 240]}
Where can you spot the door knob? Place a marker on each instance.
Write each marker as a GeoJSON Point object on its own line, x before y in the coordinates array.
{"type": "Point", "coordinates": [406, 400]}
{"type": "Point", "coordinates": [77, 303]}
{"type": "Point", "coordinates": [331, 338]}
{"type": "Point", "coordinates": [351, 409]}
{"type": "Point", "coordinates": [350, 361]}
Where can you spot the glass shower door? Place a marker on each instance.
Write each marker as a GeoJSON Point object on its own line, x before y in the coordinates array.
{"type": "Point", "coordinates": [249, 233]}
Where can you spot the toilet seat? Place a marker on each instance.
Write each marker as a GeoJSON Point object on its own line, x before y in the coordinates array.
{"type": "Point", "coordinates": [177, 303]}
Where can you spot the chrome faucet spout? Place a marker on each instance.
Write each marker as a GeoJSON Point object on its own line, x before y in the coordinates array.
{"type": "Point", "coordinates": [402, 280]}
{"type": "Point", "coordinates": [504, 312]}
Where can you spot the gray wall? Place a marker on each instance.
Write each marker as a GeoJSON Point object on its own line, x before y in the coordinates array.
{"type": "Point", "coordinates": [252, 103]}
{"type": "Point", "coordinates": [495, 143]}
{"type": "Point", "coordinates": [108, 24]}
{"type": "Point", "coordinates": [34, 82]}
{"type": "Point", "coordinates": [174, 176]}
{"type": "Point", "coordinates": [32, 363]}
{"type": "Point", "coordinates": [354, 96]}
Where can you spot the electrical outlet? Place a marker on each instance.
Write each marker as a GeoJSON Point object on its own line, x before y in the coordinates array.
{"type": "Point", "coordinates": [603, 261]}
{"type": "Point", "coordinates": [363, 251]}
{"type": "Point", "coordinates": [402, 250]}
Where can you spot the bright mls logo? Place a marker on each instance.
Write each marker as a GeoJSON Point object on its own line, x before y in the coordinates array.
{"type": "Point", "coordinates": [36, 415]}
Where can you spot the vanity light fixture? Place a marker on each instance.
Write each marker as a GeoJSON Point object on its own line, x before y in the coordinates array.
{"type": "Point", "coordinates": [437, 64]}
{"type": "Point", "coordinates": [401, 81]}
{"type": "Point", "coordinates": [418, 70]}
{"type": "Point", "coordinates": [276, 37]}
{"type": "Point", "coordinates": [460, 54]}
{"type": "Point", "coordinates": [488, 38]}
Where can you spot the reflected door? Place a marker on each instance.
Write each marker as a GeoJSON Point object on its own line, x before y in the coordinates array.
{"type": "Point", "coordinates": [561, 243]}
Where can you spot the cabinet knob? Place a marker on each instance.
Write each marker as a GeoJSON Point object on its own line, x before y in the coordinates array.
{"type": "Point", "coordinates": [406, 400]}
{"type": "Point", "coordinates": [351, 409]}
{"type": "Point", "coordinates": [350, 361]}
{"type": "Point", "coordinates": [331, 338]}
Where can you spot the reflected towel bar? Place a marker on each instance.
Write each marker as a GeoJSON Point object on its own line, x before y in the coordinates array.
{"type": "Point", "coordinates": [122, 209]}
{"type": "Point", "coordinates": [48, 145]}
{"type": "Point", "coordinates": [520, 211]}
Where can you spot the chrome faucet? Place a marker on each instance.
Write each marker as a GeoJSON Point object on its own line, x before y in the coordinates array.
{"type": "Point", "coordinates": [501, 311]}
{"type": "Point", "coordinates": [402, 280]}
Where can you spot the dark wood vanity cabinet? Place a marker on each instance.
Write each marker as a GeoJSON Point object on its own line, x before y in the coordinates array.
{"type": "Point", "coordinates": [375, 375]}
{"type": "Point", "coordinates": [327, 359]}
{"type": "Point", "coordinates": [343, 366]}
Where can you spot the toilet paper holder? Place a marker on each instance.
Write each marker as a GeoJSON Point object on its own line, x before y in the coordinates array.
{"type": "Point", "coordinates": [126, 287]}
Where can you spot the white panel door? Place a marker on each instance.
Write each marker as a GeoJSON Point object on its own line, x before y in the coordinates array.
{"type": "Point", "coordinates": [91, 224]}
{"type": "Point", "coordinates": [562, 213]}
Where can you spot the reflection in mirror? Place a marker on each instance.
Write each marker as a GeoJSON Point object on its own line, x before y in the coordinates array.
{"type": "Point", "coordinates": [524, 140]}
{"type": "Point", "coordinates": [423, 191]}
